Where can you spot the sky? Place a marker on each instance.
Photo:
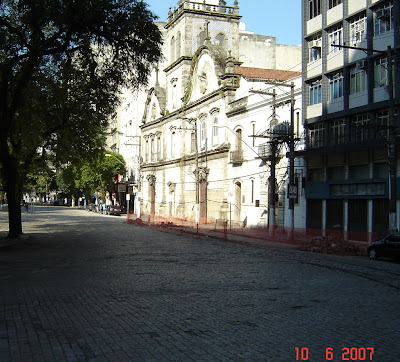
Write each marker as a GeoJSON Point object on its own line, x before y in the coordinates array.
{"type": "Point", "coordinates": [278, 18]}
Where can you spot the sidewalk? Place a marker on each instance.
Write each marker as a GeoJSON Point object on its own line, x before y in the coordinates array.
{"type": "Point", "coordinates": [279, 237]}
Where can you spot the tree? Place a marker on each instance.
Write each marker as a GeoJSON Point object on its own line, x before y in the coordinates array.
{"type": "Point", "coordinates": [62, 65]}
{"type": "Point", "coordinates": [92, 175]}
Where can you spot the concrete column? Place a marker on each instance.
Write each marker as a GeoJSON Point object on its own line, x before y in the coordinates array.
{"type": "Point", "coordinates": [369, 221]}
{"type": "Point", "coordinates": [397, 215]}
{"type": "Point", "coordinates": [323, 216]}
{"type": "Point", "coordinates": [345, 219]}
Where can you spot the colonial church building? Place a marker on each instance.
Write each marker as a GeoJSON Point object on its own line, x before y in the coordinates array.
{"type": "Point", "coordinates": [204, 128]}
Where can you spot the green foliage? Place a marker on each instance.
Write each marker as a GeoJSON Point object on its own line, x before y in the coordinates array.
{"type": "Point", "coordinates": [43, 181]}
{"type": "Point", "coordinates": [62, 65]}
{"type": "Point", "coordinates": [90, 176]}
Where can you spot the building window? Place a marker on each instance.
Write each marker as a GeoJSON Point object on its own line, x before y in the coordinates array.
{"type": "Point", "coordinates": [203, 134]}
{"type": "Point", "coordinates": [314, 7]}
{"type": "Point", "coordinates": [238, 133]}
{"type": "Point", "coordinates": [335, 38]}
{"type": "Point", "coordinates": [173, 144]}
{"type": "Point", "coordinates": [333, 3]}
{"type": "Point", "coordinates": [359, 172]}
{"type": "Point", "coordinates": [220, 40]}
{"type": "Point", "coordinates": [193, 142]}
{"type": "Point", "coordinates": [358, 189]}
{"type": "Point", "coordinates": [381, 170]}
{"type": "Point", "coordinates": [152, 150]}
{"type": "Point", "coordinates": [174, 94]}
{"type": "Point", "coordinates": [361, 128]}
{"type": "Point", "coordinates": [358, 30]}
{"type": "Point", "coordinates": [146, 152]}
{"type": "Point", "coordinates": [337, 132]}
{"type": "Point", "coordinates": [314, 46]}
{"type": "Point", "coordinates": [316, 135]}
{"type": "Point", "coordinates": [358, 80]}
{"type": "Point", "coordinates": [336, 173]}
{"type": "Point", "coordinates": [172, 49]}
{"type": "Point", "coordinates": [178, 46]}
{"type": "Point", "coordinates": [336, 86]}
{"type": "Point", "coordinates": [315, 175]}
{"type": "Point", "coordinates": [381, 72]}
{"type": "Point", "coordinates": [382, 119]}
{"type": "Point", "coordinates": [215, 131]}
{"type": "Point", "coordinates": [159, 147]}
{"type": "Point", "coordinates": [315, 93]}
{"type": "Point", "coordinates": [383, 18]}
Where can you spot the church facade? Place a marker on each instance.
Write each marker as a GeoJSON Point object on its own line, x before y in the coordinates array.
{"type": "Point", "coordinates": [203, 128]}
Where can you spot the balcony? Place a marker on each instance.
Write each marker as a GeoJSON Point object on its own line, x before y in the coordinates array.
{"type": "Point", "coordinates": [237, 157]}
{"type": "Point", "coordinates": [264, 150]}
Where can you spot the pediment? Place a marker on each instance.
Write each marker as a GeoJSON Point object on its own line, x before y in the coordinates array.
{"type": "Point", "coordinates": [155, 104]}
{"type": "Point", "coordinates": [203, 77]}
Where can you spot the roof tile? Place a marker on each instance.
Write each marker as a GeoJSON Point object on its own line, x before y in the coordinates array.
{"type": "Point", "coordinates": [272, 74]}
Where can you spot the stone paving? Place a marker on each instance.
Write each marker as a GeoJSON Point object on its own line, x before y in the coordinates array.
{"type": "Point", "coordinates": [88, 287]}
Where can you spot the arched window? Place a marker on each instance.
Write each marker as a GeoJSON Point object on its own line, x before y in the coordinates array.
{"type": "Point", "coordinates": [174, 95]}
{"type": "Point", "coordinates": [172, 144]}
{"type": "Point", "coordinates": [220, 40]}
{"type": "Point", "coordinates": [238, 133]}
{"type": "Point", "coordinates": [159, 147]}
{"type": "Point", "coordinates": [152, 153]}
{"type": "Point", "coordinates": [146, 152]}
{"type": "Point", "coordinates": [203, 133]}
{"type": "Point", "coordinates": [215, 130]}
{"type": "Point", "coordinates": [172, 49]}
{"type": "Point", "coordinates": [178, 46]}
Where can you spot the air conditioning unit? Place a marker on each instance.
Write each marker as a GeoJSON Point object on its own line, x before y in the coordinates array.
{"type": "Point", "coordinates": [314, 44]}
{"type": "Point", "coordinates": [382, 14]}
{"type": "Point", "coordinates": [362, 64]}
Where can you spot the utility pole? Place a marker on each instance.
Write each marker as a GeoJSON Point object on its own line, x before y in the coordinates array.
{"type": "Point", "coordinates": [292, 196]}
{"type": "Point", "coordinates": [292, 191]}
{"type": "Point", "coordinates": [272, 159]}
{"type": "Point", "coordinates": [392, 148]}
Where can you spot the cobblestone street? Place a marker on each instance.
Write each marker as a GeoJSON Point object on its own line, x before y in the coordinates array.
{"type": "Point", "coordinates": [91, 287]}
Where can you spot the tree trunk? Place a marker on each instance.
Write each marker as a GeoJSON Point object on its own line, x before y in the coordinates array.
{"type": "Point", "coordinates": [14, 192]}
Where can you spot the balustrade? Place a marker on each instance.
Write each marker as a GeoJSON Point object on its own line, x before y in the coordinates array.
{"type": "Point", "coordinates": [191, 5]}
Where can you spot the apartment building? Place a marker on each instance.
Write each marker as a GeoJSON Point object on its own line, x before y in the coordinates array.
{"type": "Point", "coordinates": [351, 97]}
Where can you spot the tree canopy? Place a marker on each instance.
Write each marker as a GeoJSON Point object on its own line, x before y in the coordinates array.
{"type": "Point", "coordinates": [98, 174]}
{"type": "Point", "coordinates": [62, 65]}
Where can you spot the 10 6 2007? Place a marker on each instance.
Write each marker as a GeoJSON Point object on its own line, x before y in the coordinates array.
{"type": "Point", "coordinates": [346, 353]}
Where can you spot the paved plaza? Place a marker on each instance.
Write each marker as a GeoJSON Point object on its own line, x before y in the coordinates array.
{"type": "Point", "coordinates": [88, 287]}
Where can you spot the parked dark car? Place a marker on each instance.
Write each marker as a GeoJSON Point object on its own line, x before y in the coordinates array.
{"type": "Point", "coordinates": [114, 210]}
{"type": "Point", "coordinates": [386, 247]}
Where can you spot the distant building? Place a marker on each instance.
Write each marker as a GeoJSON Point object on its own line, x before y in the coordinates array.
{"type": "Point", "coordinates": [351, 112]}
